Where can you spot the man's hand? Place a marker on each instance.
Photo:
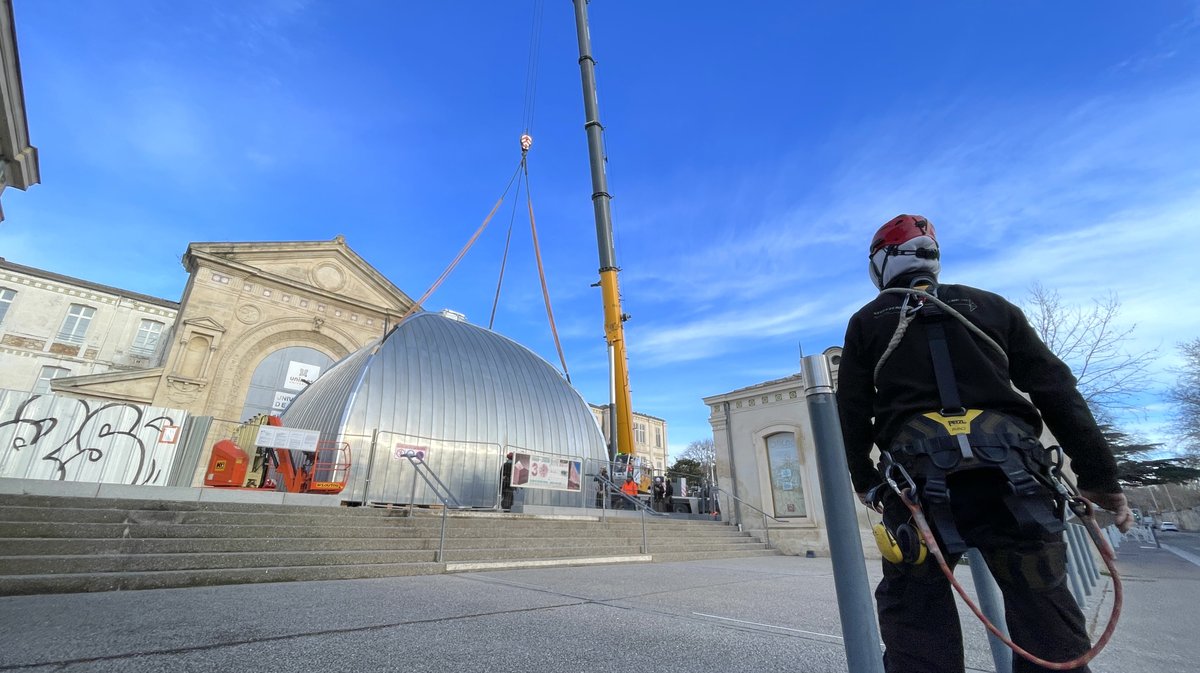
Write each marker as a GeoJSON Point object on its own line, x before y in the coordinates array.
{"type": "Point", "coordinates": [865, 498]}
{"type": "Point", "coordinates": [1115, 503]}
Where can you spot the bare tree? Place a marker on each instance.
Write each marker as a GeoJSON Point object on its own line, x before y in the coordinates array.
{"type": "Point", "coordinates": [702, 451]}
{"type": "Point", "coordinates": [1094, 344]}
{"type": "Point", "coordinates": [1186, 395]}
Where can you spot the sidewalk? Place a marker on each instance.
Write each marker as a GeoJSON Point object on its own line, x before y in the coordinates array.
{"type": "Point", "coordinates": [759, 614]}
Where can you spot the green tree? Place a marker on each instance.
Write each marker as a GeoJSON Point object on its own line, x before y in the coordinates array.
{"type": "Point", "coordinates": [1136, 467]}
{"type": "Point", "coordinates": [690, 469]}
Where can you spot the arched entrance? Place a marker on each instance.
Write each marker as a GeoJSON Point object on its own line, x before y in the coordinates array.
{"type": "Point", "coordinates": [280, 376]}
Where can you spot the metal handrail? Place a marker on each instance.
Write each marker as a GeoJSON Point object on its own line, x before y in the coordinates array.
{"type": "Point", "coordinates": [434, 484]}
{"type": "Point", "coordinates": [766, 528]}
{"type": "Point", "coordinates": [641, 506]}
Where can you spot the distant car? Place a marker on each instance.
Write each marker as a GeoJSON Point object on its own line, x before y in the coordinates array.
{"type": "Point", "coordinates": [1168, 525]}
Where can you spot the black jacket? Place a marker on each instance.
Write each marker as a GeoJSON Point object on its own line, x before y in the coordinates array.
{"type": "Point", "coordinates": [907, 385]}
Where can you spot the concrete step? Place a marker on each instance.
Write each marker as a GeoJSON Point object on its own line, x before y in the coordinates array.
{"type": "Point", "coordinates": [111, 563]}
{"type": "Point", "coordinates": [662, 557]}
{"type": "Point", "coordinates": [94, 546]}
{"type": "Point", "coordinates": [56, 544]}
{"type": "Point", "coordinates": [19, 585]}
{"type": "Point", "coordinates": [525, 530]}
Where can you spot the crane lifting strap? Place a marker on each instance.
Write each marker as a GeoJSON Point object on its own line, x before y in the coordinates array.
{"type": "Point", "coordinates": [461, 253]}
{"type": "Point", "coordinates": [541, 271]}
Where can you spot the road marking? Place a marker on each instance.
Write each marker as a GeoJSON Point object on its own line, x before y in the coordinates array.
{"type": "Point", "coordinates": [1186, 556]}
{"type": "Point", "coordinates": [769, 626]}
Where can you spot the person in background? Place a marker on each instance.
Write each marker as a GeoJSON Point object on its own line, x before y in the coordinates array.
{"type": "Point", "coordinates": [658, 491]}
{"type": "Point", "coordinates": [506, 487]}
{"type": "Point", "coordinates": [601, 487]}
{"type": "Point", "coordinates": [630, 489]}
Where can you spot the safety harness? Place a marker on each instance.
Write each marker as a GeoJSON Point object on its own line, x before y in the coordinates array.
{"type": "Point", "coordinates": [937, 444]}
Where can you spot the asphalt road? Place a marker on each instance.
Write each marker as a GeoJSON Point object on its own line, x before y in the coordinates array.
{"type": "Point", "coordinates": [761, 614]}
{"type": "Point", "coordinates": [1183, 540]}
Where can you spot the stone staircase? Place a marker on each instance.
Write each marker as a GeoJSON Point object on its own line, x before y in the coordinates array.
{"type": "Point", "coordinates": [53, 544]}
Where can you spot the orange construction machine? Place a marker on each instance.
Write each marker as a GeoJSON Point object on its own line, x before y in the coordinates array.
{"type": "Point", "coordinates": [276, 464]}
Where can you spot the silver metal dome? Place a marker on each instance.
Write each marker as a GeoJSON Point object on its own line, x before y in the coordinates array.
{"type": "Point", "coordinates": [465, 394]}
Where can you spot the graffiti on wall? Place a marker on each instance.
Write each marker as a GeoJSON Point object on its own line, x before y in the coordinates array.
{"type": "Point", "coordinates": [70, 439]}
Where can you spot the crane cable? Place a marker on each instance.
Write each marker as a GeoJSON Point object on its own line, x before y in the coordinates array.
{"type": "Point", "coordinates": [531, 67]}
{"type": "Point", "coordinates": [504, 258]}
{"type": "Point", "coordinates": [461, 253]}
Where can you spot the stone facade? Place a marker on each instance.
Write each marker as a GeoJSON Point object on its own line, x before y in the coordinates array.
{"type": "Point", "coordinates": [244, 302]}
{"type": "Point", "coordinates": [766, 458]}
{"type": "Point", "coordinates": [55, 325]}
{"type": "Point", "coordinates": [18, 159]}
{"type": "Point", "coordinates": [649, 435]}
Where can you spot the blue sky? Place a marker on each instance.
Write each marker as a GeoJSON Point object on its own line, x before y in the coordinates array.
{"type": "Point", "coordinates": [753, 148]}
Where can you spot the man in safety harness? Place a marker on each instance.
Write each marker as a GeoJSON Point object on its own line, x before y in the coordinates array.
{"type": "Point", "coordinates": [927, 374]}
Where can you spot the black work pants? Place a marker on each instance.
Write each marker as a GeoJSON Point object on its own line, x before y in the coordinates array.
{"type": "Point", "coordinates": [918, 618]}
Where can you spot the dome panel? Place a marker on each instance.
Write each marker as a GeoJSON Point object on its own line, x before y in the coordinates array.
{"type": "Point", "coordinates": [465, 394]}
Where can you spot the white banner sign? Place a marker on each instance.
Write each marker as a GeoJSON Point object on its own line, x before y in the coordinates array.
{"type": "Point", "coordinates": [531, 470]}
{"type": "Point", "coordinates": [282, 400]}
{"type": "Point", "coordinates": [287, 438]}
{"type": "Point", "coordinates": [299, 375]}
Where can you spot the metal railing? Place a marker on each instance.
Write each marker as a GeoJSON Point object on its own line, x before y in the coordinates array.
{"type": "Point", "coordinates": [440, 491]}
{"type": "Point", "coordinates": [614, 491]}
{"type": "Point", "coordinates": [766, 528]}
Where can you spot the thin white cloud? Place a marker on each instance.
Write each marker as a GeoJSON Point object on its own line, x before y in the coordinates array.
{"type": "Point", "coordinates": [1100, 196]}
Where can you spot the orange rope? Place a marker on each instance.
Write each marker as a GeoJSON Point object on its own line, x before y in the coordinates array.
{"type": "Point", "coordinates": [541, 272]}
{"type": "Point", "coordinates": [1106, 551]}
{"type": "Point", "coordinates": [463, 252]}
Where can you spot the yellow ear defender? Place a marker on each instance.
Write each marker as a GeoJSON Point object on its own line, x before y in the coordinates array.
{"type": "Point", "coordinates": [905, 546]}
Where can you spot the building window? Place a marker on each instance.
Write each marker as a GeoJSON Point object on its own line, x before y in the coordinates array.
{"type": "Point", "coordinates": [146, 341]}
{"type": "Point", "coordinates": [6, 299]}
{"type": "Point", "coordinates": [48, 374]}
{"type": "Point", "coordinates": [787, 487]}
{"type": "Point", "coordinates": [639, 433]}
{"type": "Point", "coordinates": [658, 438]}
{"type": "Point", "coordinates": [75, 327]}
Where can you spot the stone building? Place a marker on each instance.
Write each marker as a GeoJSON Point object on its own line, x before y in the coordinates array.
{"type": "Point", "coordinates": [54, 326]}
{"type": "Point", "coordinates": [256, 324]}
{"type": "Point", "coordinates": [649, 435]}
{"type": "Point", "coordinates": [766, 458]}
{"type": "Point", "coordinates": [18, 159]}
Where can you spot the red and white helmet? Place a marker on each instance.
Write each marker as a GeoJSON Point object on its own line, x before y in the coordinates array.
{"type": "Point", "coordinates": [905, 244]}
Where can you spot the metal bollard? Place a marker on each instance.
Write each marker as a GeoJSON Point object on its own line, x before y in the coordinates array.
{"type": "Point", "coordinates": [860, 631]}
{"type": "Point", "coordinates": [991, 603]}
{"type": "Point", "coordinates": [1085, 543]}
{"type": "Point", "coordinates": [1073, 575]}
{"type": "Point", "coordinates": [1076, 552]}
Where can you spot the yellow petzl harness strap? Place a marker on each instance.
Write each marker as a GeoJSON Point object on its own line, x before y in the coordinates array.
{"type": "Point", "coordinates": [939, 443]}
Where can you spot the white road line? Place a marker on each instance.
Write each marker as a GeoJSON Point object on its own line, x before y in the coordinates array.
{"type": "Point", "coordinates": [769, 626]}
{"type": "Point", "coordinates": [1186, 556]}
